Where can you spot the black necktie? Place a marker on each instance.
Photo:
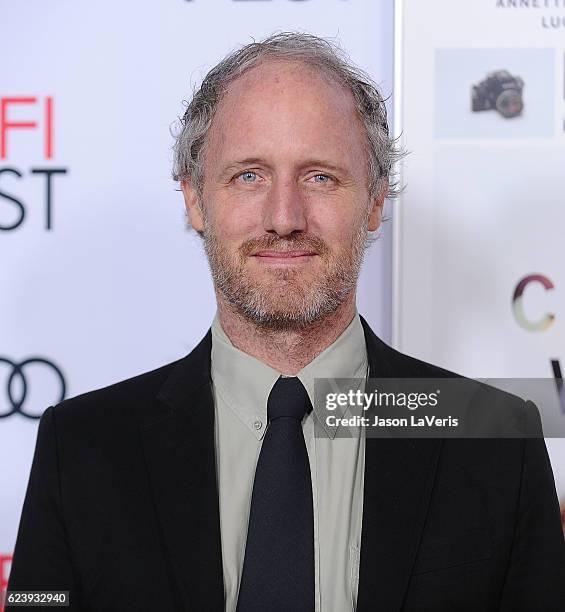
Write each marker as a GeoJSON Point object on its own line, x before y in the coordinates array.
{"type": "Point", "coordinates": [278, 569]}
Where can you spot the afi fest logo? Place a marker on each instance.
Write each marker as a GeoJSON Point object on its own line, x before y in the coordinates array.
{"type": "Point", "coordinates": [19, 114]}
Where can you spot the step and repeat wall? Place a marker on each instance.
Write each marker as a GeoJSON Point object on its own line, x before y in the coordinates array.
{"type": "Point", "coordinates": [100, 279]}
{"type": "Point", "coordinates": [479, 281]}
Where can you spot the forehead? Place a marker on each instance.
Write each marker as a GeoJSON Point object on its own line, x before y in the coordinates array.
{"type": "Point", "coordinates": [287, 105]}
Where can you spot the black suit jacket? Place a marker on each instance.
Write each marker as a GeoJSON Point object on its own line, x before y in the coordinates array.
{"type": "Point", "coordinates": [122, 506]}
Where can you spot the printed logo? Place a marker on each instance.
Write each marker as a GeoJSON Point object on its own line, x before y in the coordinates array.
{"type": "Point", "coordinates": [13, 209]}
{"type": "Point", "coordinates": [18, 381]}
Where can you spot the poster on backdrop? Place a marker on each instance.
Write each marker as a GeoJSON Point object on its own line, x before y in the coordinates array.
{"type": "Point", "coordinates": [479, 283]}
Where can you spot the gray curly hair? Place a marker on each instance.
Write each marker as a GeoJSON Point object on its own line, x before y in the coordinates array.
{"type": "Point", "coordinates": [191, 138]}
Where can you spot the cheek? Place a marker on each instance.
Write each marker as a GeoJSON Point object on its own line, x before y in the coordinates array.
{"type": "Point", "coordinates": [336, 226]}
{"type": "Point", "coordinates": [229, 218]}
{"type": "Point", "coordinates": [233, 227]}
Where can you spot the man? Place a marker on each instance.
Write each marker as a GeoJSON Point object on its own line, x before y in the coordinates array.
{"type": "Point", "coordinates": [201, 485]}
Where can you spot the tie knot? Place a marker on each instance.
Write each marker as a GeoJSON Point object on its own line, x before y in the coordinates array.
{"type": "Point", "coordinates": [288, 398]}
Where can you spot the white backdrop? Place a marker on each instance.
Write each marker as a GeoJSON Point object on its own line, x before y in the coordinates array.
{"type": "Point", "coordinates": [112, 284]}
{"type": "Point", "coordinates": [480, 282]}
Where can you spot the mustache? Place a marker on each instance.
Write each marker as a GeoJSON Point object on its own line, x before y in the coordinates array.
{"type": "Point", "coordinates": [284, 244]}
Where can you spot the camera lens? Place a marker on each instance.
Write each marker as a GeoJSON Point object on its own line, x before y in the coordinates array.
{"type": "Point", "coordinates": [509, 103]}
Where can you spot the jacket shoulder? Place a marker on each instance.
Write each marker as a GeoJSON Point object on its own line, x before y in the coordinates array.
{"type": "Point", "coordinates": [412, 367]}
{"type": "Point", "coordinates": [137, 399]}
{"type": "Point", "coordinates": [495, 409]}
{"type": "Point", "coordinates": [134, 395]}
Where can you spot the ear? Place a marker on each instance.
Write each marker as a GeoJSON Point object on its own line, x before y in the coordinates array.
{"type": "Point", "coordinates": [192, 205]}
{"type": "Point", "coordinates": [376, 215]}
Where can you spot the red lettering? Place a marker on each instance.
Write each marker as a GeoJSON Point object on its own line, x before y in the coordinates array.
{"type": "Point", "coordinates": [5, 124]}
{"type": "Point", "coordinates": [48, 127]}
{"type": "Point", "coordinates": [5, 564]}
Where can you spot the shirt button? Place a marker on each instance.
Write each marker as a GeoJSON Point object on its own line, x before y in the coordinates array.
{"type": "Point", "coordinates": [257, 425]}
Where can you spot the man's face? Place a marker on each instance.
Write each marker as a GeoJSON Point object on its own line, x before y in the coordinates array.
{"type": "Point", "coordinates": [285, 206]}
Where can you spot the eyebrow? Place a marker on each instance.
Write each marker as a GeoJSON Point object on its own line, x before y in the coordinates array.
{"type": "Point", "coordinates": [326, 164]}
{"type": "Point", "coordinates": [250, 161]}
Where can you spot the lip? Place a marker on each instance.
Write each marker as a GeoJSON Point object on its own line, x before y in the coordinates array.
{"type": "Point", "coordinates": [287, 257]}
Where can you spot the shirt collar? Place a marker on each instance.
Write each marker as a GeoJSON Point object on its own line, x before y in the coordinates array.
{"type": "Point", "coordinates": [244, 382]}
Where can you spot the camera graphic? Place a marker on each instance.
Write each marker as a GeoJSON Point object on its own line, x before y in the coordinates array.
{"type": "Point", "coordinates": [500, 91]}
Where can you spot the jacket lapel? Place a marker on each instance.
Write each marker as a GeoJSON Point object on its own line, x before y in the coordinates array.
{"type": "Point", "coordinates": [399, 474]}
{"type": "Point", "coordinates": [180, 456]}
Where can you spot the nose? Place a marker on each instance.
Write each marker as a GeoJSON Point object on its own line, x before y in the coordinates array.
{"type": "Point", "coordinates": [284, 208]}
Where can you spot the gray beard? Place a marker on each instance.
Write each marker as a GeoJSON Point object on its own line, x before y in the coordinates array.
{"type": "Point", "coordinates": [312, 303]}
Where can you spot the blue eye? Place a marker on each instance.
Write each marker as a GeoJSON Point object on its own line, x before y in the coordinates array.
{"type": "Point", "coordinates": [248, 177]}
{"type": "Point", "coordinates": [324, 178]}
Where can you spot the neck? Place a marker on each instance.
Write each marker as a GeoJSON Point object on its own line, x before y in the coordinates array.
{"type": "Point", "coordinates": [287, 351]}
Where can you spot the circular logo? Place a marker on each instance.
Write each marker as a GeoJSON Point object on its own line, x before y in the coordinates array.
{"type": "Point", "coordinates": [16, 400]}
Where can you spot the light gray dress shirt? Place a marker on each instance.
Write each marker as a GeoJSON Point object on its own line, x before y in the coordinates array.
{"type": "Point", "coordinates": [241, 386]}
